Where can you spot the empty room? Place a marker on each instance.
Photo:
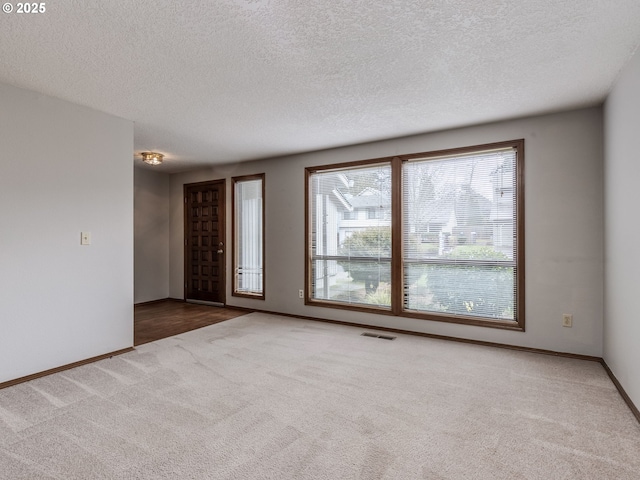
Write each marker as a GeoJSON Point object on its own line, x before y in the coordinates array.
{"type": "Point", "coordinates": [319, 240]}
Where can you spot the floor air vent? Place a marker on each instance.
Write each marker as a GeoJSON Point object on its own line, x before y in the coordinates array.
{"type": "Point", "coordinates": [375, 335]}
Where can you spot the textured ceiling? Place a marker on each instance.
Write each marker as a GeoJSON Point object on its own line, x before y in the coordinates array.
{"type": "Point", "coordinates": [232, 80]}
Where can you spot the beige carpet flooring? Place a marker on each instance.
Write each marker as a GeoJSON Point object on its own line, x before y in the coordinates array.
{"type": "Point", "coordinates": [267, 397]}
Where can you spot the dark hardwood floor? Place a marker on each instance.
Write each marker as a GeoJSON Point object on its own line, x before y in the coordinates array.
{"type": "Point", "coordinates": [153, 321]}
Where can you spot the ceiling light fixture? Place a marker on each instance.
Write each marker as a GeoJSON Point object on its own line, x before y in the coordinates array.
{"type": "Point", "coordinates": [152, 158]}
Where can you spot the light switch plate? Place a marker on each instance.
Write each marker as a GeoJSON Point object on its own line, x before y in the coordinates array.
{"type": "Point", "coordinates": [85, 238]}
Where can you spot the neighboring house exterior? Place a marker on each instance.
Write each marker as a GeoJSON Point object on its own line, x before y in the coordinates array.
{"type": "Point", "coordinates": [367, 209]}
{"type": "Point", "coordinates": [336, 217]}
{"type": "Point", "coordinates": [330, 203]}
{"type": "Point", "coordinates": [502, 209]}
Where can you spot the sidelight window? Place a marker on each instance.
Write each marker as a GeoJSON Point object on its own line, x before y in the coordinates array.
{"type": "Point", "coordinates": [248, 236]}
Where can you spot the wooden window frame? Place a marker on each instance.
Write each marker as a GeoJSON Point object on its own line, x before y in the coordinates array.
{"type": "Point", "coordinates": [234, 239]}
{"type": "Point", "coordinates": [397, 274]}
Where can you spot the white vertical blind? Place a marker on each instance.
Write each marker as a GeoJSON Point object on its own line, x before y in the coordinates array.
{"type": "Point", "coordinates": [248, 236]}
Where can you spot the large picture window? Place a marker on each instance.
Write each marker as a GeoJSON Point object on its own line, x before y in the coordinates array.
{"type": "Point", "coordinates": [435, 235]}
{"type": "Point", "coordinates": [248, 236]}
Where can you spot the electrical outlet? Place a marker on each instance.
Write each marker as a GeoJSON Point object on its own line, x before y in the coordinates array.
{"type": "Point", "coordinates": [300, 293]}
{"type": "Point", "coordinates": [567, 320]}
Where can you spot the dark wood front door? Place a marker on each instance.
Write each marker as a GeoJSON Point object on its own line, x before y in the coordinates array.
{"type": "Point", "coordinates": [204, 242]}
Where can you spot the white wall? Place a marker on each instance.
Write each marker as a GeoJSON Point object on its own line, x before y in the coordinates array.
{"type": "Point", "coordinates": [622, 241]}
{"type": "Point", "coordinates": [63, 169]}
{"type": "Point", "coordinates": [564, 224]}
{"type": "Point", "coordinates": [151, 235]}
